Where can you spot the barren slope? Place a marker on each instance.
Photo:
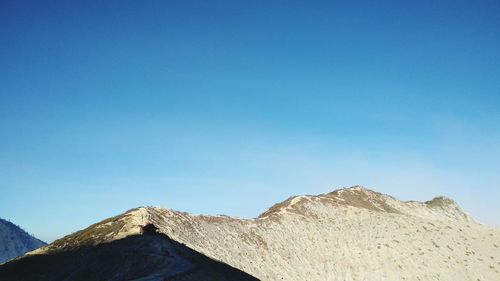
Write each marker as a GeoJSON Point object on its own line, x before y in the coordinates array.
{"type": "Point", "coordinates": [349, 234]}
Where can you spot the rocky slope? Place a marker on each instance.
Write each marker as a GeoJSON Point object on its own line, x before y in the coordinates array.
{"type": "Point", "coordinates": [15, 242]}
{"type": "Point", "coordinates": [348, 234]}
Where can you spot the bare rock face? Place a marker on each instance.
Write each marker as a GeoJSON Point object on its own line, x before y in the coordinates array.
{"type": "Point", "coordinates": [348, 234]}
{"type": "Point", "coordinates": [15, 242]}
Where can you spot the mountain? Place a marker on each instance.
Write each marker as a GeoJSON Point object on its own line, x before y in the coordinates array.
{"type": "Point", "coordinates": [349, 234]}
{"type": "Point", "coordinates": [15, 242]}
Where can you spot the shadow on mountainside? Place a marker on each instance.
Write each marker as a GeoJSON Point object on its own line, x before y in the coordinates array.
{"type": "Point", "coordinates": [149, 256]}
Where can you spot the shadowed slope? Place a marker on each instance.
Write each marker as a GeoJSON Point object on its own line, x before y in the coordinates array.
{"type": "Point", "coordinates": [138, 257]}
{"type": "Point", "coordinates": [15, 242]}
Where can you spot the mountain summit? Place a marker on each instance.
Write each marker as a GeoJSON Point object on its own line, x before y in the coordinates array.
{"type": "Point", "coordinates": [349, 234]}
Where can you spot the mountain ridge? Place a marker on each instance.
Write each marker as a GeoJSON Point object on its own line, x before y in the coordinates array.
{"type": "Point", "coordinates": [336, 197]}
{"type": "Point", "coordinates": [348, 234]}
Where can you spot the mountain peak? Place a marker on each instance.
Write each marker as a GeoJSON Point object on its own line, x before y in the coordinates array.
{"type": "Point", "coordinates": [360, 197]}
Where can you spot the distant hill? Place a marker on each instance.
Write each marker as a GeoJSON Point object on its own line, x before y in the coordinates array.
{"type": "Point", "coordinates": [15, 242]}
{"type": "Point", "coordinates": [348, 234]}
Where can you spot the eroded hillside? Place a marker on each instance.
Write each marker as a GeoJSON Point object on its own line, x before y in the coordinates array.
{"type": "Point", "coordinates": [348, 234]}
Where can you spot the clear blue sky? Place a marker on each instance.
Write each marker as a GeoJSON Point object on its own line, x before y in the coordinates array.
{"type": "Point", "coordinates": [230, 106]}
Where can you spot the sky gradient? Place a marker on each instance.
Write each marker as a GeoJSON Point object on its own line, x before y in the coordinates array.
{"type": "Point", "coordinates": [230, 106]}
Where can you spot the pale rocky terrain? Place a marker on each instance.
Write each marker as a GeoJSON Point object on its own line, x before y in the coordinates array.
{"type": "Point", "coordinates": [15, 242]}
{"type": "Point", "coordinates": [348, 234]}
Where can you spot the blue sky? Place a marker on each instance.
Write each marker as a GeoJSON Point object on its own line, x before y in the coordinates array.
{"type": "Point", "coordinates": [230, 106]}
